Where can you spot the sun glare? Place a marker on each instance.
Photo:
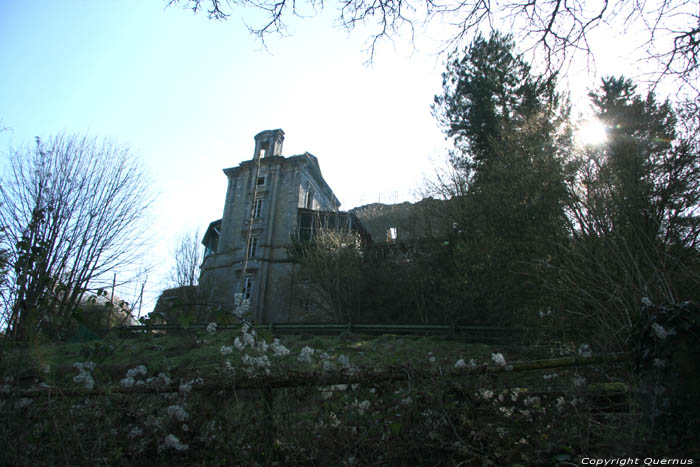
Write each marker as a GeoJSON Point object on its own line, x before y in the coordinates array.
{"type": "Point", "coordinates": [591, 133]}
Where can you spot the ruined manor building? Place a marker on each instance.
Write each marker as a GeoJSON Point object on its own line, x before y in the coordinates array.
{"type": "Point", "coordinates": [268, 202]}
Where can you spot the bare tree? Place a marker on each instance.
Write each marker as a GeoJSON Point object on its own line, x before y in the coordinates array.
{"type": "Point", "coordinates": [554, 28]}
{"type": "Point", "coordinates": [188, 259]}
{"type": "Point", "coordinates": [332, 261]}
{"type": "Point", "coordinates": [75, 210]}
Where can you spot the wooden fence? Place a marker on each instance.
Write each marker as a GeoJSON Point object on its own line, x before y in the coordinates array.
{"type": "Point", "coordinates": [480, 334]}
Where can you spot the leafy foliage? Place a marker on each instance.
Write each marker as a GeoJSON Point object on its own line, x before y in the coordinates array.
{"type": "Point", "coordinates": [667, 340]}
{"type": "Point", "coordinates": [510, 135]}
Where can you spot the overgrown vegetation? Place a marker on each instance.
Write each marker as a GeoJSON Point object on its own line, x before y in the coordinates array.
{"type": "Point", "coordinates": [208, 397]}
{"type": "Point", "coordinates": [529, 229]}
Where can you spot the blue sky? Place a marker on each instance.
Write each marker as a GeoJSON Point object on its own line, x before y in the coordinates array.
{"type": "Point", "coordinates": [188, 94]}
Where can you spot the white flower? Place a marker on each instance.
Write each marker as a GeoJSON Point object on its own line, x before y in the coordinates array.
{"type": "Point", "coordinates": [514, 394]}
{"type": "Point", "coordinates": [431, 358]}
{"type": "Point", "coordinates": [185, 387]}
{"type": "Point", "coordinates": [172, 442]}
{"type": "Point", "coordinates": [241, 305]}
{"type": "Point", "coordinates": [261, 362]}
{"type": "Point", "coordinates": [662, 333]}
{"type": "Point", "coordinates": [485, 394]}
{"type": "Point", "coordinates": [362, 407]}
{"type": "Point", "coordinates": [498, 359]}
{"type": "Point", "coordinates": [23, 402]}
{"type": "Point", "coordinates": [344, 360]}
{"type": "Point", "coordinates": [305, 354]}
{"type": "Point", "coordinates": [333, 420]}
{"type": "Point", "coordinates": [248, 339]}
{"type": "Point", "coordinates": [211, 328]}
{"type": "Point", "coordinates": [560, 403]}
{"type": "Point", "coordinates": [127, 382]}
{"type": "Point", "coordinates": [506, 412]}
{"type": "Point", "coordinates": [279, 350]}
{"type": "Point", "coordinates": [584, 350]}
{"type": "Point", "coordinates": [84, 377]}
{"type": "Point", "coordinates": [178, 413]}
{"type": "Point", "coordinates": [134, 372]}
{"type": "Point", "coordinates": [531, 401]}
{"type": "Point", "coordinates": [460, 363]}
{"type": "Point", "coordinates": [238, 344]}
{"type": "Point", "coordinates": [226, 349]}
{"type": "Point", "coordinates": [135, 432]}
{"type": "Point", "coordinates": [262, 345]}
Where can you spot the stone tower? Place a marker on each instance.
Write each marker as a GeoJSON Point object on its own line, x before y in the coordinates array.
{"type": "Point", "coordinates": [246, 250]}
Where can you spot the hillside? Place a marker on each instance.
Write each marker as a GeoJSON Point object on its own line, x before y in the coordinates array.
{"type": "Point", "coordinates": [223, 398]}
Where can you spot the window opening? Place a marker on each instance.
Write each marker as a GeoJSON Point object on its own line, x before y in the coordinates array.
{"type": "Point", "coordinates": [304, 304]}
{"type": "Point", "coordinates": [247, 287]}
{"type": "Point", "coordinates": [309, 203]}
{"type": "Point", "coordinates": [257, 212]}
{"type": "Point", "coordinates": [252, 247]}
{"type": "Point", "coordinates": [391, 234]}
{"type": "Point", "coordinates": [261, 181]}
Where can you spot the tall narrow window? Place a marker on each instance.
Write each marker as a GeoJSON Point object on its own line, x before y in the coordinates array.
{"type": "Point", "coordinates": [309, 202]}
{"type": "Point", "coordinates": [247, 287]}
{"type": "Point", "coordinates": [257, 211]}
{"type": "Point", "coordinates": [252, 247]}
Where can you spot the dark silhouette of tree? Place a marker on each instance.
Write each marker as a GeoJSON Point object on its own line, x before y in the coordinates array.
{"type": "Point", "coordinates": [634, 210]}
{"type": "Point", "coordinates": [511, 137]}
{"type": "Point", "coordinates": [188, 259]}
{"type": "Point", "coordinates": [670, 29]}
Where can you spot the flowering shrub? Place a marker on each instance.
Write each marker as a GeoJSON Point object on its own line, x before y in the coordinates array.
{"type": "Point", "coordinates": [84, 376]}
{"type": "Point", "coordinates": [498, 359]}
{"type": "Point", "coordinates": [173, 442]}
{"type": "Point", "coordinates": [305, 354]}
{"type": "Point", "coordinates": [132, 375]}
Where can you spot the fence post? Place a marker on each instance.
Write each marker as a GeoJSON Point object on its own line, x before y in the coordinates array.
{"type": "Point", "coordinates": [268, 422]}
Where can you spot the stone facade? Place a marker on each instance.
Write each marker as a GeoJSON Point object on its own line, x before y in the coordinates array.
{"type": "Point", "coordinates": [264, 199]}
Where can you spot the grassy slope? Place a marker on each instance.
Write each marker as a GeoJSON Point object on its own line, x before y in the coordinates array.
{"type": "Point", "coordinates": [197, 352]}
{"type": "Point", "coordinates": [422, 421]}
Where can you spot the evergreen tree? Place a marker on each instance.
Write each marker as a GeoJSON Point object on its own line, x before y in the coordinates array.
{"type": "Point", "coordinates": [634, 204]}
{"type": "Point", "coordinates": [510, 135]}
